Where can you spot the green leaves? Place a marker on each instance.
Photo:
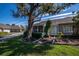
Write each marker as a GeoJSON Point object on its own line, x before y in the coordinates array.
{"type": "Point", "coordinates": [76, 23]}
{"type": "Point", "coordinates": [47, 27]}
{"type": "Point", "coordinates": [34, 8]}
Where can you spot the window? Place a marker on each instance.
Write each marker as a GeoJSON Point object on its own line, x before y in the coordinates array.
{"type": "Point", "coordinates": [40, 28]}
{"type": "Point", "coordinates": [67, 29]}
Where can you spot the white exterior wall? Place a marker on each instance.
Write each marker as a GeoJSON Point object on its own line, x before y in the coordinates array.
{"type": "Point", "coordinates": [54, 30]}
{"type": "Point", "coordinates": [0, 30]}
{"type": "Point", "coordinates": [6, 30]}
{"type": "Point", "coordinates": [68, 30]}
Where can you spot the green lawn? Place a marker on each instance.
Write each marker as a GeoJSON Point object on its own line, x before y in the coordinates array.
{"type": "Point", "coordinates": [63, 50]}
{"type": "Point", "coordinates": [4, 33]}
{"type": "Point", "coordinates": [17, 47]}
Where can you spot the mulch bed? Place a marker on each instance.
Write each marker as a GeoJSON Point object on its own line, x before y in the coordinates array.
{"type": "Point", "coordinates": [68, 42]}
{"type": "Point", "coordinates": [46, 40]}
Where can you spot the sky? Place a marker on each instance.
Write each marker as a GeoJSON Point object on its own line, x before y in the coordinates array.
{"type": "Point", "coordinates": [6, 15]}
{"type": "Point", "coordinates": [7, 18]}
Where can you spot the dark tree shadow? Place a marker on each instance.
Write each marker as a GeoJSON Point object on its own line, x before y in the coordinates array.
{"type": "Point", "coordinates": [18, 48]}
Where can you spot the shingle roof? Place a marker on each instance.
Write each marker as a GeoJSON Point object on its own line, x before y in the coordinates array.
{"type": "Point", "coordinates": [4, 26]}
{"type": "Point", "coordinates": [56, 21]}
{"type": "Point", "coordinates": [15, 27]}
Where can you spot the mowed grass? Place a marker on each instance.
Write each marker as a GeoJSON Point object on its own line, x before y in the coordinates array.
{"type": "Point", "coordinates": [15, 47]}
{"type": "Point", "coordinates": [4, 34]}
{"type": "Point", "coordinates": [63, 50]}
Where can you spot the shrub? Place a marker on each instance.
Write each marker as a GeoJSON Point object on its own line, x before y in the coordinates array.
{"type": "Point", "coordinates": [36, 35]}
{"type": "Point", "coordinates": [59, 35]}
{"type": "Point", "coordinates": [47, 28]}
{"type": "Point", "coordinates": [71, 36]}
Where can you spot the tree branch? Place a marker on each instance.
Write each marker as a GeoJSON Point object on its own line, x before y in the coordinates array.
{"type": "Point", "coordinates": [38, 19]}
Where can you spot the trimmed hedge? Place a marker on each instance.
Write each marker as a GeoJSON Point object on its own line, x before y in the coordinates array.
{"type": "Point", "coordinates": [71, 36]}
{"type": "Point", "coordinates": [36, 35]}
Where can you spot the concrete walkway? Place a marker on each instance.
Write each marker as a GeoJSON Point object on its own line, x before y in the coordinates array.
{"type": "Point", "coordinates": [10, 36]}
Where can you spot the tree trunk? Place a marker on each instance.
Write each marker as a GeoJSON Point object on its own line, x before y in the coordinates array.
{"type": "Point", "coordinates": [30, 28]}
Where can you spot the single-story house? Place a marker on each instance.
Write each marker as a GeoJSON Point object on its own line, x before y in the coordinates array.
{"type": "Point", "coordinates": [64, 25]}
{"type": "Point", "coordinates": [11, 28]}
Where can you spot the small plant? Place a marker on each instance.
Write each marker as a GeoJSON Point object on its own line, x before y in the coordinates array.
{"type": "Point", "coordinates": [59, 35]}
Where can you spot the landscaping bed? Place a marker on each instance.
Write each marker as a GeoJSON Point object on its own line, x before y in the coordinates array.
{"type": "Point", "coordinates": [68, 41]}
{"type": "Point", "coordinates": [76, 36]}
{"type": "Point", "coordinates": [61, 41]}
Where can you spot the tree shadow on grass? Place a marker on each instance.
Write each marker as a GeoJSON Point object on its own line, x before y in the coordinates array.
{"type": "Point", "coordinates": [17, 48]}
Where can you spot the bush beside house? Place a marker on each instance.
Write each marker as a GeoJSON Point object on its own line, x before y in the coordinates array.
{"type": "Point", "coordinates": [71, 36]}
{"type": "Point", "coordinates": [37, 35]}
{"type": "Point", "coordinates": [60, 35]}
{"type": "Point", "coordinates": [47, 28]}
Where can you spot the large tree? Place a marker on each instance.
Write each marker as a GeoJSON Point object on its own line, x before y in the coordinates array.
{"type": "Point", "coordinates": [34, 12]}
{"type": "Point", "coordinates": [76, 24]}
